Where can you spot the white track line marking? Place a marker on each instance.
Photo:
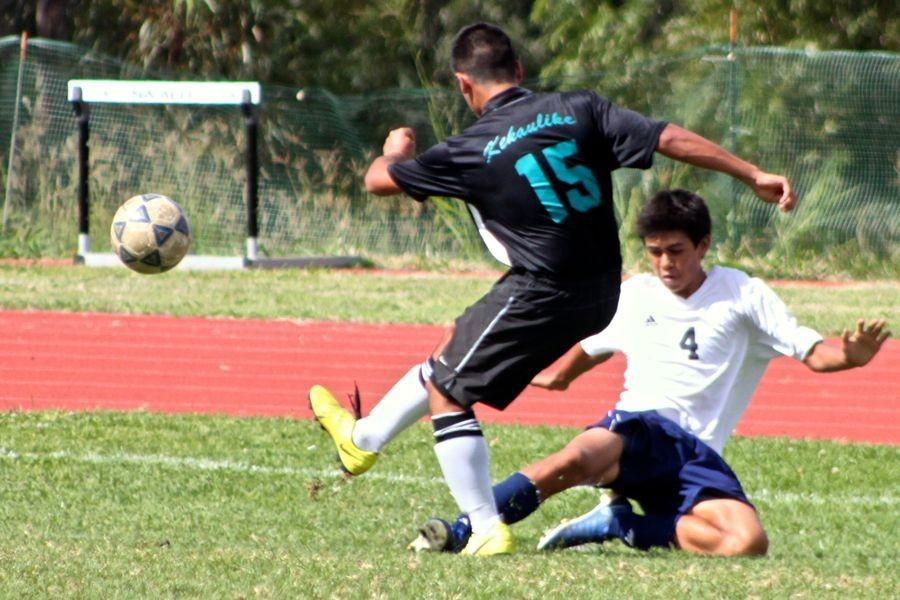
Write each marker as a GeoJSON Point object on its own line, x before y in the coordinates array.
{"type": "Point", "coordinates": [763, 495]}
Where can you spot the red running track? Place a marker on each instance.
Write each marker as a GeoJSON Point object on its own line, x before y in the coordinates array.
{"type": "Point", "coordinates": [78, 361]}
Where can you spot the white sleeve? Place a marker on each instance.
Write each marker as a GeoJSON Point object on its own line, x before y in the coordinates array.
{"type": "Point", "coordinates": [608, 340]}
{"type": "Point", "coordinates": [776, 328]}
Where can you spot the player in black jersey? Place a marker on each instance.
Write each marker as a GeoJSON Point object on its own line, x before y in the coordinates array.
{"type": "Point", "coordinates": [537, 167]}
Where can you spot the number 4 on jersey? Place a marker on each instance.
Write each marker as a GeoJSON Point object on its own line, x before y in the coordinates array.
{"type": "Point", "coordinates": [689, 343]}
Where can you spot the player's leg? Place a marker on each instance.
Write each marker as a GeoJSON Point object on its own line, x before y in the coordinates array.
{"type": "Point", "coordinates": [603, 457]}
{"type": "Point", "coordinates": [477, 365]}
{"type": "Point", "coordinates": [717, 527]}
{"type": "Point", "coordinates": [650, 462]}
{"type": "Point", "coordinates": [404, 404]}
{"type": "Point", "coordinates": [359, 441]}
{"type": "Point", "coordinates": [722, 527]}
{"type": "Point", "coordinates": [464, 459]}
{"type": "Point", "coordinates": [521, 326]}
{"type": "Point", "coordinates": [591, 458]}
{"type": "Point", "coordinates": [683, 485]}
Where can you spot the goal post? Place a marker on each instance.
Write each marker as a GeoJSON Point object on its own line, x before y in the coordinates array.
{"type": "Point", "coordinates": [247, 95]}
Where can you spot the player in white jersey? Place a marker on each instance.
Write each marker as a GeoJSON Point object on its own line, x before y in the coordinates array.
{"type": "Point", "coordinates": [697, 344]}
{"type": "Point", "coordinates": [697, 360]}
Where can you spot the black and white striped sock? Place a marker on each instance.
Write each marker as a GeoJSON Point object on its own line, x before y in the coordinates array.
{"type": "Point", "coordinates": [463, 455]}
{"type": "Point", "coordinates": [456, 424]}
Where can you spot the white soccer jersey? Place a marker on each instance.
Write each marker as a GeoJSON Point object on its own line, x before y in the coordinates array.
{"type": "Point", "coordinates": [697, 360]}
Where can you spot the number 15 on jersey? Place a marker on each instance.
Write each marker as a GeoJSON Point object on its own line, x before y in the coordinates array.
{"type": "Point", "coordinates": [584, 193]}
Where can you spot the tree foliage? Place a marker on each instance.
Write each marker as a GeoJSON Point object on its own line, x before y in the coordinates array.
{"type": "Point", "coordinates": [359, 45]}
{"type": "Point", "coordinates": [591, 35]}
{"type": "Point", "coordinates": [341, 45]}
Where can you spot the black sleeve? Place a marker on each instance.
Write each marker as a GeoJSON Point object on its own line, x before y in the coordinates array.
{"type": "Point", "coordinates": [432, 173]}
{"type": "Point", "coordinates": [632, 137]}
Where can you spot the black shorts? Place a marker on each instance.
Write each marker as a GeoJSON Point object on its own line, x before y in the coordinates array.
{"type": "Point", "coordinates": [518, 328]}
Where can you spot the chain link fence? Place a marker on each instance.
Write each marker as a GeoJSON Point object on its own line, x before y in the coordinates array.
{"type": "Point", "coordinates": [830, 120]}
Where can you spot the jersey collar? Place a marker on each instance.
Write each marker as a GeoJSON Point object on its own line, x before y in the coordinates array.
{"type": "Point", "coordinates": [711, 274]}
{"type": "Point", "coordinates": [503, 98]}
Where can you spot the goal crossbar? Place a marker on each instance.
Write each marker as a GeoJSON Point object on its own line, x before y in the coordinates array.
{"type": "Point", "coordinates": [247, 95]}
{"type": "Point", "coordinates": [117, 91]}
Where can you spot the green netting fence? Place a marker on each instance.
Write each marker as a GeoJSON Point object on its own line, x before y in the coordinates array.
{"type": "Point", "coordinates": [830, 120]}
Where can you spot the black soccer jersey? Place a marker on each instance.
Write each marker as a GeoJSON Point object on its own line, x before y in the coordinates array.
{"type": "Point", "coordinates": [537, 167]}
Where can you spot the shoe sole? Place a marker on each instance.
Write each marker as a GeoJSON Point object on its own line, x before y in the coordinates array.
{"type": "Point", "coordinates": [436, 534]}
{"type": "Point", "coordinates": [545, 541]}
{"type": "Point", "coordinates": [433, 537]}
{"type": "Point", "coordinates": [337, 455]}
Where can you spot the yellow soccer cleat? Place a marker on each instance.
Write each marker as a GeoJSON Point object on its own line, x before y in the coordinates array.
{"type": "Point", "coordinates": [338, 423]}
{"type": "Point", "coordinates": [497, 540]}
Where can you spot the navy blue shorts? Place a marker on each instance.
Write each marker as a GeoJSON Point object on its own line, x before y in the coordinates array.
{"type": "Point", "coordinates": [666, 469]}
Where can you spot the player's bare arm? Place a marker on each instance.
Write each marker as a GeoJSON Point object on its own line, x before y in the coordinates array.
{"type": "Point", "coordinates": [686, 146]}
{"type": "Point", "coordinates": [572, 365]}
{"type": "Point", "coordinates": [856, 349]}
{"type": "Point", "coordinates": [400, 145]}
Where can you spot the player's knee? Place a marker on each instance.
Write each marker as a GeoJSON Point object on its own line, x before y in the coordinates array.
{"type": "Point", "coordinates": [758, 544]}
{"type": "Point", "coordinates": [750, 541]}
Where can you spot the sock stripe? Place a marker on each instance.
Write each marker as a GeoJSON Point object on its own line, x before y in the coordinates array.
{"type": "Point", "coordinates": [453, 425]}
{"type": "Point", "coordinates": [426, 370]}
{"type": "Point", "coordinates": [470, 428]}
{"type": "Point", "coordinates": [458, 434]}
{"type": "Point", "coordinates": [449, 419]}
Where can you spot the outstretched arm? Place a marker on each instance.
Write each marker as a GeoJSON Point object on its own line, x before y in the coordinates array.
{"type": "Point", "coordinates": [686, 146]}
{"type": "Point", "coordinates": [573, 363]}
{"type": "Point", "coordinates": [400, 145]}
{"type": "Point", "coordinates": [856, 350]}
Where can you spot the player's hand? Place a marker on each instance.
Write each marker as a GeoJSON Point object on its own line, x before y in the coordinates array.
{"type": "Point", "coordinates": [400, 142]}
{"type": "Point", "coordinates": [549, 381]}
{"type": "Point", "coordinates": [774, 189]}
{"type": "Point", "coordinates": [860, 347]}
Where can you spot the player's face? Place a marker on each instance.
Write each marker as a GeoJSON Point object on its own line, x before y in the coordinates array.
{"type": "Point", "coordinates": [677, 261]}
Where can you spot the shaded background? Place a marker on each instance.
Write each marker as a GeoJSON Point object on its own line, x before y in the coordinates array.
{"type": "Point", "coordinates": [809, 90]}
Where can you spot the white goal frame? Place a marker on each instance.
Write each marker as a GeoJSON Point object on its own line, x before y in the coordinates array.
{"type": "Point", "coordinates": [246, 94]}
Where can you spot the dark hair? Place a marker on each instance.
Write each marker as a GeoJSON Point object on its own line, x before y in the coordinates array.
{"type": "Point", "coordinates": [675, 210]}
{"type": "Point", "coordinates": [483, 52]}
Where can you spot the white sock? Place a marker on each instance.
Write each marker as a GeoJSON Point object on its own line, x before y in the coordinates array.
{"type": "Point", "coordinates": [465, 461]}
{"type": "Point", "coordinates": [403, 405]}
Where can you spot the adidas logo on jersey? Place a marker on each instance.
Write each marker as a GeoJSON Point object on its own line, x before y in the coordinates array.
{"type": "Point", "coordinates": [650, 321]}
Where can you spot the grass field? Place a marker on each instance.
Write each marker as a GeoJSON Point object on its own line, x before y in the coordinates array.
{"type": "Point", "coordinates": [140, 505]}
{"type": "Point", "coordinates": [347, 296]}
{"type": "Point", "coordinates": [147, 505]}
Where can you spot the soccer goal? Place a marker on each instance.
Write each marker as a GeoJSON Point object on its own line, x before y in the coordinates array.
{"type": "Point", "coordinates": [246, 95]}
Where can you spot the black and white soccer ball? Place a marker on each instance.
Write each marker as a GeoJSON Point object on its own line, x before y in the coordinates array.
{"type": "Point", "coordinates": [150, 233]}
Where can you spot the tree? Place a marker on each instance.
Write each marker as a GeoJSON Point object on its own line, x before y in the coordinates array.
{"type": "Point", "coordinates": [591, 35]}
{"type": "Point", "coordinates": [51, 19]}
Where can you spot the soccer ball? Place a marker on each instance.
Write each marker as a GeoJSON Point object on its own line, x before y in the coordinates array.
{"type": "Point", "coordinates": [150, 233]}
